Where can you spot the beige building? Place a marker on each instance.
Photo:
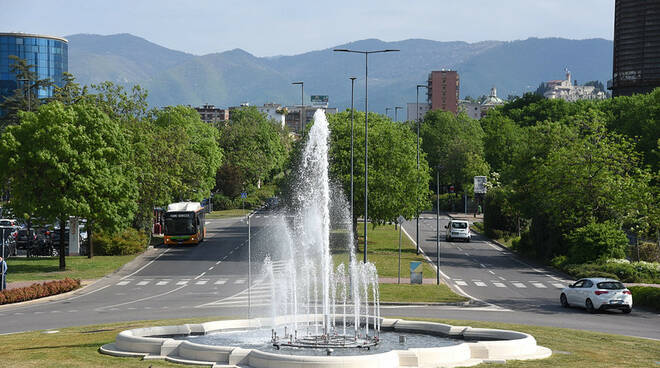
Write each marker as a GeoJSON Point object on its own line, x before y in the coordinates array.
{"type": "Point", "coordinates": [566, 90]}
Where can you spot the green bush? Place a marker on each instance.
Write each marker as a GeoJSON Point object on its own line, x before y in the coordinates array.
{"type": "Point", "coordinates": [222, 202]}
{"type": "Point", "coordinates": [125, 242]}
{"type": "Point", "coordinates": [647, 296]}
{"type": "Point", "coordinates": [596, 240]}
{"type": "Point", "coordinates": [255, 198]}
{"type": "Point", "coordinates": [642, 272]}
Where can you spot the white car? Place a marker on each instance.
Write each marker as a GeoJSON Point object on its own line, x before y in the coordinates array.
{"type": "Point", "coordinates": [596, 294]}
{"type": "Point", "coordinates": [458, 229]}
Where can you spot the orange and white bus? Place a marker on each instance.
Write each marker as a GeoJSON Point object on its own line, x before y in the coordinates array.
{"type": "Point", "coordinates": [184, 223]}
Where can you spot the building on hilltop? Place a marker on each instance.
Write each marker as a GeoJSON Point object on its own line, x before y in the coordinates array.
{"type": "Point", "coordinates": [212, 114]}
{"type": "Point", "coordinates": [566, 90]}
{"type": "Point", "coordinates": [47, 54]}
{"type": "Point", "coordinates": [636, 64]}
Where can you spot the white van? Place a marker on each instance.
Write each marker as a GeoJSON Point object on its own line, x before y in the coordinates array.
{"type": "Point", "coordinates": [458, 229]}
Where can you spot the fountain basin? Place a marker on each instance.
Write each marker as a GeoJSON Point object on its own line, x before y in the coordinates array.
{"type": "Point", "coordinates": [475, 346]}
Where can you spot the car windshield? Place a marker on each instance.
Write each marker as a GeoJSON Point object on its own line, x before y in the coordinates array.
{"type": "Point", "coordinates": [5, 223]}
{"type": "Point", "coordinates": [459, 225]}
{"type": "Point", "coordinates": [611, 285]}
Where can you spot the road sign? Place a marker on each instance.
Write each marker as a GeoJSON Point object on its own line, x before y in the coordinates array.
{"type": "Point", "coordinates": [451, 189]}
{"type": "Point", "coordinates": [400, 220]}
{"type": "Point", "coordinates": [416, 272]}
{"type": "Point", "coordinates": [243, 195]}
{"type": "Point", "coordinates": [480, 184]}
{"type": "Point", "coordinates": [318, 100]}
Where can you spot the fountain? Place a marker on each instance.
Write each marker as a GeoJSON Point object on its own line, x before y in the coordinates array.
{"type": "Point", "coordinates": [321, 314]}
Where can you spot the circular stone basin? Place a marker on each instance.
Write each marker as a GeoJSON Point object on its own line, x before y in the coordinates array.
{"type": "Point", "coordinates": [260, 339]}
{"type": "Point", "coordinates": [246, 343]}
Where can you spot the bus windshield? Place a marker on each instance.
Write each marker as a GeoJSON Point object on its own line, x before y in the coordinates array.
{"type": "Point", "coordinates": [180, 224]}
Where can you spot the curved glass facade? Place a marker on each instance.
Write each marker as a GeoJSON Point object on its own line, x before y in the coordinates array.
{"type": "Point", "coordinates": [49, 55]}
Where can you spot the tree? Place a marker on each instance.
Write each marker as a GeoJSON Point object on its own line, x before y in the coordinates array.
{"type": "Point", "coordinates": [193, 155]}
{"type": "Point", "coordinates": [395, 186]}
{"type": "Point", "coordinates": [26, 94]}
{"type": "Point", "coordinates": [68, 161]}
{"type": "Point", "coordinates": [455, 142]}
{"type": "Point", "coordinates": [255, 147]}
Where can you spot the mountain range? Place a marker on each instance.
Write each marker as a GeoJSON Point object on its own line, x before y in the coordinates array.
{"type": "Point", "coordinates": [233, 77]}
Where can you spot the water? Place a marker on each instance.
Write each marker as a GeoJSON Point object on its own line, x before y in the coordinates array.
{"type": "Point", "coordinates": [260, 340]}
{"type": "Point", "coordinates": [303, 277]}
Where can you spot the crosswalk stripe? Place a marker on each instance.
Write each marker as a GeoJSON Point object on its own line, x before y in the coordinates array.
{"type": "Point", "coordinates": [518, 284]}
{"type": "Point", "coordinates": [201, 282]}
{"type": "Point", "coordinates": [182, 282]}
{"type": "Point", "coordinates": [163, 282]}
{"type": "Point", "coordinates": [558, 285]}
{"type": "Point", "coordinates": [460, 283]}
{"type": "Point", "coordinates": [220, 282]}
{"type": "Point", "coordinates": [539, 285]}
{"type": "Point", "coordinates": [479, 283]}
{"type": "Point", "coordinates": [498, 284]}
{"type": "Point", "coordinates": [240, 281]}
{"type": "Point", "coordinates": [124, 282]}
{"type": "Point", "coordinates": [144, 282]}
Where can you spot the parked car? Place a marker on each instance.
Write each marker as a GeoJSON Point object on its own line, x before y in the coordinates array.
{"type": "Point", "coordinates": [458, 229]}
{"type": "Point", "coordinates": [24, 238]}
{"type": "Point", "coordinates": [596, 294]}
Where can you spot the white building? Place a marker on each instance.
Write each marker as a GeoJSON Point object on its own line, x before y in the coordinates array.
{"type": "Point", "coordinates": [275, 112]}
{"type": "Point", "coordinates": [477, 110]}
{"type": "Point", "coordinates": [412, 108]}
{"type": "Point", "coordinates": [566, 90]}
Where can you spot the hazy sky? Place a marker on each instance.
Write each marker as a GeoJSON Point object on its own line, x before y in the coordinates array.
{"type": "Point", "coordinates": [267, 28]}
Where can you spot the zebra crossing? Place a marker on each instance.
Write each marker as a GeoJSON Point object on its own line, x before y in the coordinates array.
{"type": "Point", "coordinates": [180, 282]}
{"type": "Point", "coordinates": [514, 284]}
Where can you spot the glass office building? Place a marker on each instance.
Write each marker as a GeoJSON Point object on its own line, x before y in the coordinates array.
{"type": "Point", "coordinates": [47, 54]}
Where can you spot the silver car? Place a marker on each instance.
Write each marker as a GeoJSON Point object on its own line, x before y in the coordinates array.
{"type": "Point", "coordinates": [596, 294]}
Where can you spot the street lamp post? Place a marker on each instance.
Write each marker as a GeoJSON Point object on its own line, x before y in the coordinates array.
{"type": "Point", "coordinates": [396, 110]}
{"type": "Point", "coordinates": [437, 223]}
{"type": "Point", "coordinates": [352, 111]}
{"type": "Point", "coordinates": [416, 192]}
{"type": "Point", "coordinates": [302, 105]}
{"type": "Point", "coordinates": [366, 133]}
{"type": "Point", "coordinates": [249, 267]}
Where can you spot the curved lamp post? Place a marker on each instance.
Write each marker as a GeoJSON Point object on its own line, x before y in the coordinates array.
{"type": "Point", "coordinates": [302, 105]}
{"type": "Point", "coordinates": [416, 193]}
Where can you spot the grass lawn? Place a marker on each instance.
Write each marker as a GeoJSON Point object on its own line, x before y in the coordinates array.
{"type": "Point", "coordinates": [418, 293]}
{"type": "Point", "coordinates": [383, 251]}
{"type": "Point", "coordinates": [77, 267]}
{"type": "Point", "coordinates": [78, 347]}
{"type": "Point", "coordinates": [227, 213]}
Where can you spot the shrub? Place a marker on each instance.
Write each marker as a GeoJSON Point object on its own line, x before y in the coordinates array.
{"type": "Point", "coordinates": [125, 242]}
{"type": "Point", "coordinates": [221, 202]}
{"type": "Point", "coordinates": [596, 240]}
{"type": "Point", "coordinates": [37, 290]}
{"type": "Point", "coordinates": [647, 296]}
{"type": "Point", "coordinates": [621, 269]}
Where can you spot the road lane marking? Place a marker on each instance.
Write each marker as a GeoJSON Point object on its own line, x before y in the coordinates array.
{"type": "Point", "coordinates": [142, 283]}
{"type": "Point", "coordinates": [498, 284]}
{"type": "Point", "coordinates": [501, 278]}
{"type": "Point", "coordinates": [240, 281]}
{"type": "Point", "coordinates": [201, 282]}
{"type": "Point", "coordinates": [113, 307]}
{"type": "Point", "coordinates": [538, 285]}
{"type": "Point", "coordinates": [200, 275]}
{"type": "Point", "coordinates": [122, 283]}
{"type": "Point", "coordinates": [479, 283]}
{"type": "Point", "coordinates": [163, 282]}
{"type": "Point", "coordinates": [182, 282]}
{"type": "Point", "coordinates": [218, 262]}
{"type": "Point", "coordinates": [460, 282]}
{"type": "Point", "coordinates": [210, 268]}
{"type": "Point", "coordinates": [491, 272]}
{"type": "Point", "coordinates": [482, 265]}
{"type": "Point", "coordinates": [558, 285]}
{"type": "Point", "coordinates": [220, 282]}
{"type": "Point", "coordinates": [145, 266]}
{"type": "Point", "coordinates": [519, 284]}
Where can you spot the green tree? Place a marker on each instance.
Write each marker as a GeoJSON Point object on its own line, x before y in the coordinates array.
{"type": "Point", "coordinates": [455, 142]}
{"type": "Point", "coordinates": [395, 186]}
{"type": "Point", "coordinates": [69, 161]}
{"type": "Point", "coordinates": [256, 148]}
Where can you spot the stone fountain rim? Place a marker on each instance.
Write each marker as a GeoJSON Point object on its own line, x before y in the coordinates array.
{"type": "Point", "coordinates": [481, 345]}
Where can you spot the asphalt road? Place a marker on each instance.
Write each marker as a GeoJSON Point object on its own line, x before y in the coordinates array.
{"type": "Point", "coordinates": [211, 280]}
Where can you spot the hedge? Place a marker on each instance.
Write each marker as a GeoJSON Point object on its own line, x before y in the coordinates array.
{"type": "Point", "coordinates": [126, 242]}
{"type": "Point", "coordinates": [647, 296]}
{"type": "Point", "coordinates": [36, 291]}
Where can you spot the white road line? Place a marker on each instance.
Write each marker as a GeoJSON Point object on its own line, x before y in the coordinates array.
{"type": "Point", "coordinates": [142, 283]}
{"type": "Point", "coordinates": [240, 281]}
{"type": "Point", "coordinates": [163, 282]}
{"type": "Point", "coordinates": [460, 282]}
{"type": "Point", "coordinates": [479, 283]}
{"type": "Point", "coordinates": [498, 284]}
{"type": "Point", "coordinates": [113, 307]}
{"type": "Point", "coordinates": [482, 265]}
{"type": "Point", "coordinates": [201, 282]}
{"type": "Point", "coordinates": [220, 282]}
{"type": "Point", "coordinates": [538, 285]}
{"type": "Point", "coordinates": [558, 285]}
{"type": "Point", "coordinates": [182, 282]}
{"type": "Point", "coordinates": [218, 262]}
{"type": "Point", "coordinates": [466, 253]}
{"type": "Point", "coordinates": [519, 285]}
{"type": "Point", "coordinates": [200, 275]}
{"type": "Point", "coordinates": [491, 272]}
{"type": "Point", "coordinates": [210, 268]}
{"type": "Point", "coordinates": [145, 266]}
{"type": "Point", "coordinates": [122, 283]}
{"type": "Point", "coordinates": [501, 278]}
{"type": "Point", "coordinates": [73, 311]}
